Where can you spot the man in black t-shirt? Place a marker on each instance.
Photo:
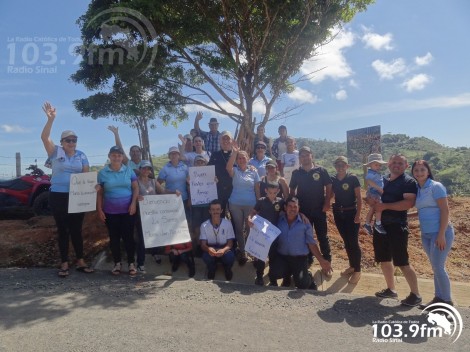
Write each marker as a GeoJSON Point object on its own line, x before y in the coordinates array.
{"type": "Point", "coordinates": [391, 249]}
{"type": "Point", "coordinates": [311, 184]}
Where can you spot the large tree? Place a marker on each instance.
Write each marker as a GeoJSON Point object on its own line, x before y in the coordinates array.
{"type": "Point", "coordinates": [231, 54]}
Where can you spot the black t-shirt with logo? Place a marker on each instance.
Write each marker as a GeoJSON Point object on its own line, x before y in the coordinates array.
{"type": "Point", "coordinates": [269, 210]}
{"type": "Point", "coordinates": [344, 190]}
{"type": "Point", "coordinates": [310, 188]}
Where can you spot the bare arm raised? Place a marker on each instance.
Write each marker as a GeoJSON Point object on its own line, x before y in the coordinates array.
{"type": "Point", "coordinates": [50, 112]}
{"type": "Point", "coordinates": [117, 141]}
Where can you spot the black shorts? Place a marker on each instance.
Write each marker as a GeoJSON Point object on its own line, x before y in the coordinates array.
{"type": "Point", "coordinates": [393, 246]}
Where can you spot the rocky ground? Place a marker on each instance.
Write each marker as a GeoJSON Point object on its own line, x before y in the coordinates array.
{"type": "Point", "coordinates": [32, 243]}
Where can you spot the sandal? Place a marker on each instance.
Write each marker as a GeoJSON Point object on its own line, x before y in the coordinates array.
{"type": "Point", "coordinates": [117, 269]}
{"type": "Point", "coordinates": [63, 273]}
{"type": "Point", "coordinates": [84, 269]}
{"type": "Point", "coordinates": [132, 270]}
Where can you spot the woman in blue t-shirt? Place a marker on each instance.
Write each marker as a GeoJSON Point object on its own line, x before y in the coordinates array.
{"type": "Point", "coordinates": [244, 195]}
{"type": "Point", "coordinates": [116, 206]}
{"type": "Point", "coordinates": [66, 160]}
{"type": "Point", "coordinates": [437, 233]}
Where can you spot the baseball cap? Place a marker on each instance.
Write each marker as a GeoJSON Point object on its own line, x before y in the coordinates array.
{"type": "Point", "coordinates": [145, 163]}
{"type": "Point", "coordinates": [226, 133]}
{"type": "Point", "coordinates": [188, 136]}
{"type": "Point", "coordinates": [173, 150]}
{"type": "Point", "coordinates": [116, 149]}
{"type": "Point", "coordinates": [200, 157]}
{"type": "Point", "coordinates": [305, 149]}
{"type": "Point", "coordinates": [67, 133]}
{"type": "Point", "coordinates": [271, 163]}
{"type": "Point", "coordinates": [341, 159]}
{"type": "Point", "coordinates": [375, 157]}
{"type": "Point", "coordinates": [213, 120]}
{"type": "Point", "coordinates": [260, 143]}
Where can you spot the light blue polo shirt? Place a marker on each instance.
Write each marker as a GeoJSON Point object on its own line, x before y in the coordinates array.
{"type": "Point", "coordinates": [64, 166]}
{"type": "Point", "coordinates": [243, 192]}
{"type": "Point", "coordinates": [426, 203]}
{"type": "Point", "coordinates": [175, 178]}
{"type": "Point", "coordinates": [376, 177]}
{"type": "Point", "coordinates": [260, 165]}
{"type": "Point", "coordinates": [294, 240]}
{"type": "Point", "coordinates": [117, 187]}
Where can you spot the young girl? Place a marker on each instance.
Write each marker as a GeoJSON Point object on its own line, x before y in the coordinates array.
{"type": "Point", "coordinates": [375, 184]}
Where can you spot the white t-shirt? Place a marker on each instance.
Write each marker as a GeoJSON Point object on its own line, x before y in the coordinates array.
{"type": "Point", "coordinates": [217, 237]}
{"type": "Point", "coordinates": [281, 149]}
{"type": "Point", "coordinates": [290, 159]}
{"type": "Point", "coordinates": [190, 156]}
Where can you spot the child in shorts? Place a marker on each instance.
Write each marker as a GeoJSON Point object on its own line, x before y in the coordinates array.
{"type": "Point", "coordinates": [375, 184]}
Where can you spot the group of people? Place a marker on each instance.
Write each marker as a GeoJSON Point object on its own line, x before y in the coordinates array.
{"type": "Point", "coordinates": [254, 185]}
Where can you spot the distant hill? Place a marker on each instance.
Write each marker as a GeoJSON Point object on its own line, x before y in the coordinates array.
{"type": "Point", "coordinates": [451, 166]}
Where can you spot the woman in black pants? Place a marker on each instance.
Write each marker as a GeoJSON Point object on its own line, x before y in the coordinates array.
{"type": "Point", "coordinates": [66, 160]}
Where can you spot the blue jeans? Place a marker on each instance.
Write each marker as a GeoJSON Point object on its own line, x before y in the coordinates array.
{"type": "Point", "coordinates": [227, 260]}
{"type": "Point", "coordinates": [438, 260]}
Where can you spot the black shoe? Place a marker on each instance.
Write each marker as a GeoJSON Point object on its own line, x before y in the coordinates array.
{"type": "Point", "coordinates": [228, 274]}
{"type": "Point", "coordinates": [412, 300]}
{"type": "Point", "coordinates": [386, 293]}
{"type": "Point", "coordinates": [259, 281]}
{"type": "Point", "coordinates": [273, 284]}
{"type": "Point", "coordinates": [211, 275]}
{"type": "Point", "coordinates": [286, 282]}
{"type": "Point", "coordinates": [313, 286]}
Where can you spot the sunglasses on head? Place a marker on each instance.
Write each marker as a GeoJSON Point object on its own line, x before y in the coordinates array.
{"type": "Point", "coordinates": [70, 140]}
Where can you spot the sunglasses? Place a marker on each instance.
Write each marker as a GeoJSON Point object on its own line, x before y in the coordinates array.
{"type": "Point", "coordinates": [260, 147]}
{"type": "Point", "coordinates": [70, 140]}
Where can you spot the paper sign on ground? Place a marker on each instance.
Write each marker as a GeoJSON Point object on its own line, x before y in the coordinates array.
{"type": "Point", "coordinates": [202, 184]}
{"type": "Point", "coordinates": [163, 220]}
{"type": "Point", "coordinates": [82, 195]}
{"type": "Point", "coordinates": [261, 236]}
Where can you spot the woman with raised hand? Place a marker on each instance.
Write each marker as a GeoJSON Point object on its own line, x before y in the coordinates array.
{"type": "Point", "coordinates": [66, 160]}
{"type": "Point", "coordinates": [244, 195]}
{"type": "Point", "coordinates": [437, 233]}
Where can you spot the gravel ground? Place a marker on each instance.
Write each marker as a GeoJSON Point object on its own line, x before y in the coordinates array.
{"type": "Point", "coordinates": [39, 312]}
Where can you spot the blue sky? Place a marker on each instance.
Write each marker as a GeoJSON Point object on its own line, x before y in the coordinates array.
{"type": "Point", "coordinates": [402, 64]}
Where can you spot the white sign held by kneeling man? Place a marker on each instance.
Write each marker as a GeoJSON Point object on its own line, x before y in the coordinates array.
{"type": "Point", "coordinates": [82, 194]}
{"type": "Point", "coordinates": [261, 237]}
{"type": "Point", "coordinates": [163, 220]}
{"type": "Point", "coordinates": [202, 184]}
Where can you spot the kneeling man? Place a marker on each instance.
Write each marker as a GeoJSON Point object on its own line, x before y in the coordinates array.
{"type": "Point", "coordinates": [294, 243]}
{"type": "Point", "coordinates": [217, 238]}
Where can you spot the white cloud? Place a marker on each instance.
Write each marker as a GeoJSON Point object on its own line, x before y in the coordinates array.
{"type": "Point", "coordinates": [424, 60]}
{"type": "Point", "coordinates": [13, 129]}
{"type": "Point", "coordinates": [388, 70]}
{"type": "Point", "coordinates": [303, 95]}
{"type": "Point", "coordinates": [258, 107]}
{"type": "Point", "coordinates": [417, 82]}
{"type": "Point", "coordinates": [330, 61]}
{"type": "Point", "coordinates": [377, 41]}
{"type": "Point", "coordinates": [341, 95]}
{"type": "Point", "coordinates": [353, 83]}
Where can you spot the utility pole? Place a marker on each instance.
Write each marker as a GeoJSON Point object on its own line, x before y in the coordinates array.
{"type": "Point", "coordinates": [18, 164]}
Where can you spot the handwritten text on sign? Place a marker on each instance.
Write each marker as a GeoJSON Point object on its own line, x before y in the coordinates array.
{"type": "Point", "coordinates": [163, 220]}
{"type": "Point", "coordinates": [261, 236]}
{"type": "Point", "coordinates": [202, 184]}
{"type": "Point", "coordinates": [82, 196]}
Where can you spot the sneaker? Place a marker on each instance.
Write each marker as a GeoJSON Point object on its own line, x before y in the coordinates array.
{"type": "Point", "coordinates": [368, 229]}
{"type": "Point", "coordinates": [273, 284]}
{"type": "Point", "coordinates": [141, 269]}
{"type": "Point", "coordinates": [386, 293]}
{"type": "Point", "coordinates": [347, 272]}
{"type": "Point", "coordinates": [211, 275]}
{"type": "Point", "coordinates": [228, 274]}
{"type": "Point", "coordinates": [117, 269]}
{"type": "Point", "coordinates": [259, 281]}
{"type": "Point", "coordinates": [157, 258]}
{"type": "Point", "coordinates": [435, 300]}
{"type": "Point", "coordinates": [132, 270]}
{"type": "Point", "coordinates": [380, 229]}
{"type": "Point", "coordinates": [313, 285]}
{"type": "Point", "coordinates": [412, 300]}
{"type": "Point", "coordinates": [355, 277]}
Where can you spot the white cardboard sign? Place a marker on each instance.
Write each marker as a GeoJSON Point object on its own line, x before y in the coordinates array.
{"type": "Point", "coordinates": [261, 236]}
{"type": "Point", "coordinates": [82, 194]}
{"type": "Point", "coordinates": [202, 184]}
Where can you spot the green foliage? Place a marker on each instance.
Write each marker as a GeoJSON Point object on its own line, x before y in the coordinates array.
{"type": "Point", "coordinates": [450, 166]}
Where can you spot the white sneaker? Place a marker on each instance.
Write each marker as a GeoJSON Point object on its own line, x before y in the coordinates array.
{"type": "Point", "coordinates": [117, 269]}
{"type": "Point", "coordinates": [141, 269]}
{"type": "Point", "coordinates": [132, 270]}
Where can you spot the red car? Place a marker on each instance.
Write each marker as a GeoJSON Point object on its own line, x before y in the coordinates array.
{"type": "Point", "coordinates": [30, 190]}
